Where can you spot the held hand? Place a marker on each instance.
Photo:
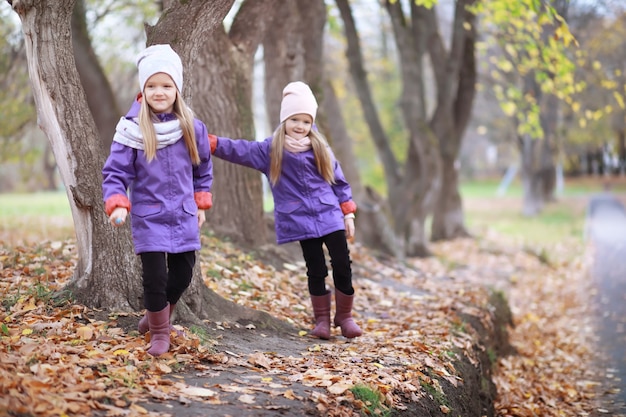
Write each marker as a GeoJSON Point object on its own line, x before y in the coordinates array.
{"type": "Point", "coordinates": [349, 223]}
{"type": "Point", "coordinates": [201, 218]}
{"type": "Point", "coordinates": [118, 217]}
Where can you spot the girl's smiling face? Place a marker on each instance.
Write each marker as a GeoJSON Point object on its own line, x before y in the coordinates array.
{"type": "Point", "coordinates": [298, 126]}
{"type": "Point", "coordinates": [160, 93]}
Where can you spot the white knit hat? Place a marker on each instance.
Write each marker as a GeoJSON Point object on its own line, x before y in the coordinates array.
{"type": "Point", "coordinates": [160, 58]}
{"type": "Point", "coordinates": [297, 99]}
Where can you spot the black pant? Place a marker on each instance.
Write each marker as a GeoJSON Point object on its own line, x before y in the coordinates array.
{"type": "Point", "coordinates": [316, 269]}
{"type": "Point", "coordinates": [163, 281]}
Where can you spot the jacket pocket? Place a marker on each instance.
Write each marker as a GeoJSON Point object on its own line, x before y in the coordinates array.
{"type": "Point", "coordinates": [287, 219]}
{"type": "Point", "coordinates": [288, 208]}
{"type": "Point", "coordinates": [329, 200]}
{"type": "Point", "coordinates": [190, 207]}
{"type": "Point", "coordinates": [145, 210]}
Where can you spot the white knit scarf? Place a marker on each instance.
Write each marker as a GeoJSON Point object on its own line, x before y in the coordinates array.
{"type": "Point", "coordinates": [127, 132]}
{"type": "Point", "coordinates": [297, 145]}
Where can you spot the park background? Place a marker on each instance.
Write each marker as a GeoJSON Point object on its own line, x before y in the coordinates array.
{"type": "Point", "coordinates": [532, 151]}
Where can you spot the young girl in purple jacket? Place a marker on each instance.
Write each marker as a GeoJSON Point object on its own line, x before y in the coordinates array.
{"type": "Point", "coordinates": [312, 201]}
{"type": "Point", "coordinates": [160, 153]}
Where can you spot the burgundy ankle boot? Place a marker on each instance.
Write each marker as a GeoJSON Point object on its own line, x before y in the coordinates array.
{"type": "Point", "coordinates": [343, 315]}
{"type": "Point", "coordinates": [159, 323]}
{"type": "Point", "coordinates": [321, 311]}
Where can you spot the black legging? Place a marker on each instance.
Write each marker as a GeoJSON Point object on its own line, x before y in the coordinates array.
{"type": "Point", "coordinates": [317, 271]}
{"type": "Point", "coordinates": [163, 281]}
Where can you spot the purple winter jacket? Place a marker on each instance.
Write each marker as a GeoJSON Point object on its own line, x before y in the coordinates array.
{"type": "Point", "coordinates": [162, 192]}
{"type": "Point", "coordinates": [305, 205]}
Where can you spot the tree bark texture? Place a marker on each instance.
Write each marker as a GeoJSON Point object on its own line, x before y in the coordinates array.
{"type": "Point", "coordinates": [223, 71]}
{"type": "Point", "coordinates": [283, 56]}
{"type": "Point", "coordinates": [107, 272]}
{"type": "Point", "coordinates": [532, 185]}
{"type": "Point", "coordinates": [98, 91]}
{"type": "Point", "coordinates": [455, 101]}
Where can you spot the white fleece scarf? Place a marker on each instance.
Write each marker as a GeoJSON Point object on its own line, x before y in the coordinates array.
{"type": "Point", "coordinates": [297, 145]}
{"type": "Point", "coordinates": [127, 132]}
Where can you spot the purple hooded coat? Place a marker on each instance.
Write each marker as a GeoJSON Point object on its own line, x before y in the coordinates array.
{"type": "Point", "coordinates": [163, 192]}
{"type": "Point", "coordinates": [305, 205]}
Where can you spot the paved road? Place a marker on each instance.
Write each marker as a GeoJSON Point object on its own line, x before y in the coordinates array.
{"type": "Point", "coordinates": [606, 229]}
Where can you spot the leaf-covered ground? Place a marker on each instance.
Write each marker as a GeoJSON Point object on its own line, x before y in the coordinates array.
{"type": "Point", "coordinates": [63, 359]}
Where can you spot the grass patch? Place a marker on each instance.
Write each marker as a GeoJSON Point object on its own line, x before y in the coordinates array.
{"type": "Point", "coordinates": [490, 187]}
{"type": "Point", "coordinates": [203, 335]}
{"type": "Point", "coordinates": [27, 219]}
{"type": "Point", "coordinates": [436, 392]}
{"type": "Point", "coordinates": [559, 221]}
{"type": "Point", "coordinates": [35, 204]}
{"type": "Point", "coordinates": [371, 401]}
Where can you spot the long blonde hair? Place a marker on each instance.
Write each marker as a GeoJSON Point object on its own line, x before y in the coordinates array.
{"type": "Point", "coordinates": [323, 158]}
{"type": "Point", "coordinates": [184, 115]}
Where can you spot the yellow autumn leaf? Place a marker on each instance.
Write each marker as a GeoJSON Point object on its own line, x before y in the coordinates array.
{"type": "Point", "coordinates": [121, 352]}
{"type": "Point", "coordinates": [26, 332]}
{"type": "Point", "coordinates": [509, 108]}
{"type": "Point", "coordinates": [302, 333]}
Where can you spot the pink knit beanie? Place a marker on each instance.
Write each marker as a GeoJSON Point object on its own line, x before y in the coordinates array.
{"type": "Point", "coordinates": [160, 58]}
{"type": "Point", "coordinates": [297, 99]}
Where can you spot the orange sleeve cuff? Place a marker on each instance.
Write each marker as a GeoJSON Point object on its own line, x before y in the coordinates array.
{"type": "Point", "coordinates": [213, 142]}
{"type": "Point", "coordinates": [204, 199]}
{"type": "Point", "coordinates": [115, 201]}
{"type": "Point", "coordinates": [348, 207]}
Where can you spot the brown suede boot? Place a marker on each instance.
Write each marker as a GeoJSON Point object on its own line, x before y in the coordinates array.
{"type": "Point", "coordinates": [321, 310]}
{"type": "Point", "coordinates": [343, 315]}
{"type": "Point", "coordinates": [159, 323]}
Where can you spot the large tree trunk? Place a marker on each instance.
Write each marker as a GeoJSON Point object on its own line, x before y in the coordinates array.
{"type": "Point", "coordinates": [98, 91]}
{"type": "Point", "coordinates": [283, 57]}
{"type": "Point", "coordinates": [451, 118]}
{"type": "Point", "coordinates": [448, 218]}
{"type": "Point", "coordinates": [224, 77]}
{"type": "Point", "coordinates": [532, 187]}
{"type": "Point", "coordinates": [106, 273]}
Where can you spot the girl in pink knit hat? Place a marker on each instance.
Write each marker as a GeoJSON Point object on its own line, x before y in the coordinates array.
{"type": "Point", "coordinates": [312, 202]}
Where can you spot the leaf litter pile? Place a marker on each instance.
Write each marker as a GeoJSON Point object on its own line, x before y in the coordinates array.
{"type": "Point", "coordinates": [58, 361]}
